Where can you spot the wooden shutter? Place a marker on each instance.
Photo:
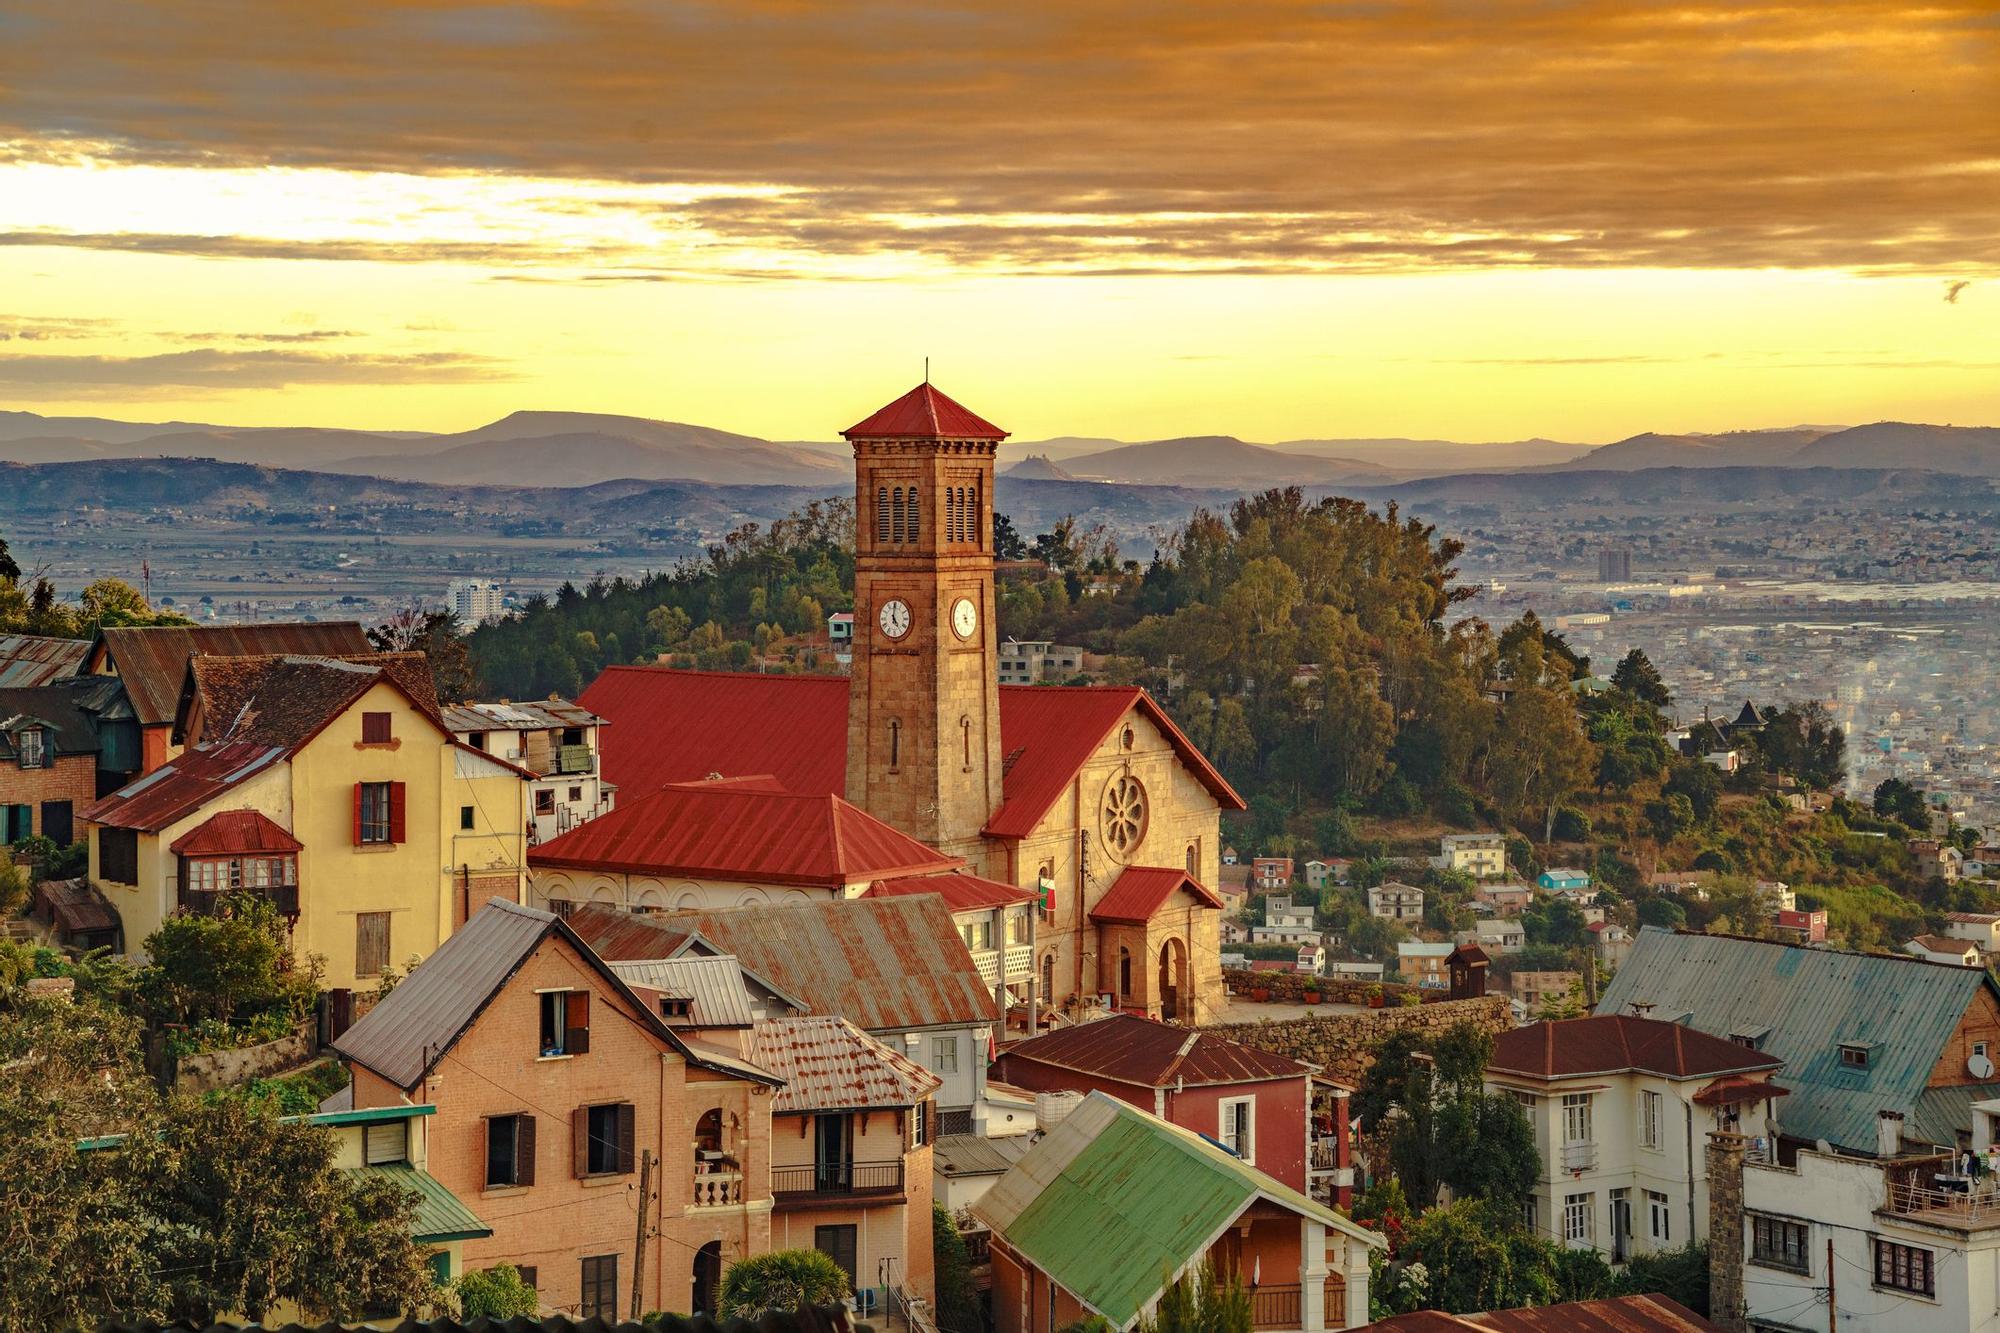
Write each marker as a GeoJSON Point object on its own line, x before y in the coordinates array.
{"type": "Point", "coordinates": [579, 1128]}
{"type": "Point", "coordinates": [576, 1022]}
{"type": "Point", "coordinates": [627, 1124]}
{"type": "Point", "coordinates": [524, 1149]}
{"type": "Point", "coordinates": [396, 812]}
{"type": "Point", "coordinates": [357, 814]}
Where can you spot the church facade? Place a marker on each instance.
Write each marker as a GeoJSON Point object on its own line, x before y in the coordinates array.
{"type": "Point", "coordinates": [1088, 797]}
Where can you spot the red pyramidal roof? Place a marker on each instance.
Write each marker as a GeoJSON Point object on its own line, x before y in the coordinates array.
{"type": "Point", "coordinates": [925, 414]}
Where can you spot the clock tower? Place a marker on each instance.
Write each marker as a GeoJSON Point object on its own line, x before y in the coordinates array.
{"type": "Point", "coordinates": [923, 720]}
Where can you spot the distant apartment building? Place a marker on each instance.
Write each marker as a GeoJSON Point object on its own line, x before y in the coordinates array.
{"type": "Point", "coordinates": [475, 601]}
{"type": "Point", "coordinates": [1033, 661]}
{"type": "Point", "coordinates": [1481, 855]}
{"type": "Point", "coordinates": [1614, 565]}
{"type": "Point", "coordinates": [1396, 902]}
{"type": "Point", "coordinates": [1271, 872]}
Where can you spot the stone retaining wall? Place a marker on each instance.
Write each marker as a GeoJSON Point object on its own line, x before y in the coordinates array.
{"type": "Point", "coordinates": [1344, 1045]}
{"type": "Point", "coordinates": [1291, 987]}
{"type": "Point", "coordinates": [220, 1069]}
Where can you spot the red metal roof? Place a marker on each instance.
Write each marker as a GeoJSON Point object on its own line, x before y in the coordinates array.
{"type": "Point", "coordinates": [961, 892]}
{"type": "Point", "coordinates": [742, 831]}
{"type": "Point", "coordinates": [1614, 1043]}
{"type": "Point", "coordinates": [180, 787]}
{"type": "Point", "coordinates": [924, 414]}
{"type": "Point", "coordinates": [678, 726]}
{"type": "Point", "coordinates": [235, 833]}
{"type": "Point", "coordinates": [1736, 1088]}
{"type": "Point", "coordinates": [1130, 1049]}
{"type": "Point", "coordinates": [1140, 891]}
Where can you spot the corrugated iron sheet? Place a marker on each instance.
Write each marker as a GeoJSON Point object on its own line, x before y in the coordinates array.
{"type": "Point", "coordinates": [235, 832]}
{"type": "Point", "coordinates": [152, 661]}
{"type": "Point", "coordinates": [971, 1155]}
{"type": "Point", "coordinates": [713, 987]}
{"type": "Point", "coordinates": [1614, 1043]}
{"type": "Point", "coordinates": [527, 715]}
{"type": "Point", "coordinates": [28, 660]}
{"type": "Point", "coordinates": [829, 1064]}
{"type": "Point", "coordinates": [1617, 1314]}
{"type": "Point", "coordinates": [1904, 1009]}
{"type": "Point", "coordinates": [183, 785]}
{"type": "Point", "coordinates": [1139, 1051]}
{"type": "Point", "coordinates": [961, 892]}
{"type": "Point", "coordinates": [1140, 891]}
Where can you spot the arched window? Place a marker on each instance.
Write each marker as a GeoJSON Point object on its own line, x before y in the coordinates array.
{"type": "Point", "coordinates": [965, 728]}
{"type": "Point", "coordinates": [1048, 978]}
{"type": "Point", "coordinates": [964, 519]}
{"type": "Point", "coordinates": [1194, 859]}
{"type": "Point", "coordinates": [951, 513]}
{"type": "Point", "coordinates": [881, 515]}
{"type": "Point", "coordinates": [915, 524]}
{"type": "Point", "coordinates": [896, 516]}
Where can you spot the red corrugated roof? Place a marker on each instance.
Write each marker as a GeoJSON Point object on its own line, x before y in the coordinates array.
{"type": "Point", "coordinates": [961, 892]}
{"type": "Point", "coordinates": [745, 831]}
{"type": "Point", "coordinates": [1138, 1050]}
{"type": "Point", "coordinates": [1614, 1043]}
{"type": "Point", "coordinates": [182, 786]}
{"type": "Point", "coordinates": [1736, 1089]}
{"type": "Point", "coordinates": [678, 726]}
{"type": "Point", "coordinates": [1140, 891]}
{"type": "Point", "coordinates": [235, 833]}
{"type": "Point", "coordinates": [924, 414]}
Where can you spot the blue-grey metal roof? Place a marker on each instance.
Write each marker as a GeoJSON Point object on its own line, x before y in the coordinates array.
{"type": "Point", "coordinates": [1814, 1001]}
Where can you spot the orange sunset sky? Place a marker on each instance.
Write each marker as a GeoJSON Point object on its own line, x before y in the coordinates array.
{"type": "Point", "coordinates": [1278, 220]}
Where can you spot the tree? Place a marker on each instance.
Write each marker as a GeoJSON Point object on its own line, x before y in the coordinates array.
{"type": "Point", "coordinates": [1471, 1255]}
{"type": "Point", "coordinates": [499, 1292]}
{"type": "Point", "coordinates": [1201, 1302]}
{"type": "Point", "coordinates": [1699, 783]}
{"type": "Point", "coordinates": [1637, 676]}
{"type": "Point", "coordinates": [1898, 800]}
{"type": "Point", "coordinates": [218, 966]}
{"type": "Point", "coordinates": [438, 636]}
{"type": "Point", "coordinates": [1554, 921]}
{"type": "Point", "coordinates": [1803, 741]}
{"type": "Point", "coordinates": [1659, 911]}
{"type": "Point", "coordinates": [1540, 754]}
{"type": "Point", "coordinates": [9, 571]}
{"type": "Point", "coordinates": [1007, 542]}
{"type": "Point", "coordinates": [957, 1299]}
{"type": "Point", "coordinates": [116, 602]}
{"type": "Point", "coordinates": [781, 1280]}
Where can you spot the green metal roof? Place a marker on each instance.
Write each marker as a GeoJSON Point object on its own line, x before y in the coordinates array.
{"type": "Point", "coordinates": [1113, 1204]}
{"type": "Point", "coordinates": [440, 1216]}
{"type": "Point", "coordinates": [1814, 1001]}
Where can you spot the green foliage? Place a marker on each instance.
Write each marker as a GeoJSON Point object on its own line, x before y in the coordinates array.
{"type": "Point", "coordinates": [957, 1298]}
{"type": "Point", "coordinates": [1202, 1302]}
{"type": "Point", "coordinates": [1898, 800]}
{"type": "Point", "coordinates": [294, 1094]}
{"type": "Point", "coordinates": [14, 887]}
{"type": "Point", "coordinates": [1637, 676]}
{"type": "Point", "coordinates": [1571, 825]}
{"type": "Point", "coordinates": [781, 1280]}
{"type": "Point", "coordinates": [1554, 921]}
{"type": "Point", "coordinates": [1801, 740]}
{"type": "Point", "coordinates": [439, 637]}
{"type": "Point", "coordinates": [218, 969]}
{"type": "Point", "coordinates": [1680, 1275]}
{"type": "Point", "coordinates": [499, 1292]}
{"type": "Point", "coordinates": [1662, 911]}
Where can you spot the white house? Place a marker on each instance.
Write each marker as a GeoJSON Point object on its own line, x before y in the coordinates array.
{"type": "Point", "coordinates": [1982, 928]}
{"type": "Point", "coordinates": [1943, 949]}
{"type": "Point", "coordinates": [1396, 901]}
{"type": "Point", "coordinates": [1286, 922]}
{"type": "Point", "coordinates": [1481, 855]}
{"type": "Point", "coordinates": [553, 739]}
{"type": "Point", "coordinates": [1622, 1108]}
{"type": "Point", "coordinates": [1499, 935]}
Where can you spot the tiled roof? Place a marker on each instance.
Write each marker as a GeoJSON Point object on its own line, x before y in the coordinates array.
{"type": "Point", "coordinates": [885, 964]}
{"type": "Point", "coordinates": [286, 700]}
{"type": "Point", "coordinates": [1618, 1043]}
{"type": "Point", "coordinates": [1140, 891]}
{"type": "Point", "coordinates": [1944, 944]}
{"type": "Point", "coordinates": [181, 786]}
{"type": "Point", "coordinates": [961, 892]}
{"type": "Point", "coordinates": [1114, 1203]}
{"type": "Point", "coordinates": [738, 831]}
{"type": "Point", "coordinates": [1973, 918]}
{"type": "Point", "coordinates": [680, 726]}
{"type": "Point", "coordinates": [924, 414]}
{"type": "Point", "coordinates": [152, 660]}
{"type": "Point", "coordinates": [28, 660]}
{"type": "Point", "coordinates": [1130, 1049]}
{"type": "Point", "coordinates": [829, 1064]}
{"type": "Point", "coordinates": [235, 833]}
{"type": "Point", "coordinates": [1812, 1001]}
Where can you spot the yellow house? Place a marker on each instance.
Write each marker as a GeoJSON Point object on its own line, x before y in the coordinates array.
{"type": "Point", "coordinates": [330, 784]}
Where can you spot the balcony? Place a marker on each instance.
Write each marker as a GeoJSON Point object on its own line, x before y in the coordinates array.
{"type": "Point", "coordinates": [833, 1182]}
{"type": "Point", "coordinates": [1017, 959]}
{"type": "Point", "coordinates": [1020, 961]}
{"type": "Point", "coordinates": [573, 760]}
{"type": "Point", "coordinates": [1277, 1307]}
{"type": "Point", "coordinates": [203, 902]}
{"type": "Point", "coordinates": [718, 1189]}
{"type": "Point", "coordinates": [1579, 1156]}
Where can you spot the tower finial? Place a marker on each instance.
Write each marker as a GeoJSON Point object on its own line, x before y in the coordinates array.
{"type": "Point", "coordinates": [927, 370]}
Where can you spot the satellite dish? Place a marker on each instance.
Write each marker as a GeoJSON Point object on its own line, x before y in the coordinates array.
{"type": "Point", "coordinates": [1979, 1066]}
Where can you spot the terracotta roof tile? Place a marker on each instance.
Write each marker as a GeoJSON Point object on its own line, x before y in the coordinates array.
{"type": "Point", "coordinates": [287, 699]}
{"type": "Point", "coordinates": [1614, 1043]}
{"type": "Point", "coordinates": [152, 660]}
{"type": "Point", "coordinates": [924, 414]}
{"type": "Point", "coordinates": [1130, 1049]}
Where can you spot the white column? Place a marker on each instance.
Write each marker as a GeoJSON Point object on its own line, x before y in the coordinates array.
{"type": "Point", "coordinates": [1312, 1275]}
{"type": "Point", "coordinates": [1357, 1285]}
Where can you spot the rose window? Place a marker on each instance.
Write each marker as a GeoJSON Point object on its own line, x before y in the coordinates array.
{"type": "Point", "coordinates": [1124, 813]}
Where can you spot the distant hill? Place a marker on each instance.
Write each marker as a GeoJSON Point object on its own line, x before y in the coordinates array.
{"type": "Point", "coordinates": [1037, 467]}
{"type": "Point", "coordinates": [1969, 450]}
{"type": "Point", "coordinates": [1433, 456]}
{"type": "Point", "coordinates": [1703, 486]}
{"type": "Point", "coordinates": [1214, 461]}
{"type": "Point", "coordinates": [1746, 448]}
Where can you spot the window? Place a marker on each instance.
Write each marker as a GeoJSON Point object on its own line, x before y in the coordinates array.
{"type": "Point", "coordinates": [672, 1006]}
{"type": "Point", "coordinates": [477, 740]}
{"type": "Point", "coordinates": [371, 943]}
{"type": "Point", "coordinates": [1576, 1219]}
{"type": "Point", "coordinates": [378, 813]}
{"type": "Point", "coordinates": [944, 1054]}
{"type": "Point", "coordinates": [1017, 927]}
{"type": "Point", "coordinates": [1903, 1268]}
{"type": "Point", "coordinates": [58, 822]}
{"type": "Point", "coordinates": [510, 1150]}
{"type": "Point", "coordinates": [117, 855]}
{"type": "Point", "coordinates": [34, 753]}
{"type": "Point", "coordinates": [545, 801]}
{"type": "Point", "coordinates": [604, 1136]}
{"type": "Point", "coordinates": [1194, 859]}
{"type": "Point", "coordinates": [576, 793]}
{"type": "Point", "coordinates": [1853, 1057]}
{"type": "Point", "coordinates": [1529, 1217]}
{"type": "Point", "coordinates": [1649, 1119]}
{"type": "Point", "coordinates": [978, 934]}
{"type": "Point", "coordinates": [881, 514]}
{"type": "Point", "coordinates": [375, 729]}
{"type": "Point", "coordinates": [530, 1274]}
{"type": "Point", "coordinates": [920, 1124]}
{"type": "Point", "coordinates": [465, 816]}
{"type": "Point", "coordinates": [895, 743]}
{"type": "Point", "coordinates": [600, 1287]}
{"type": "Point", "coordinates": [1238, 1128]}
{"type": "Point", "coordinates": [385, 1144]}
{"type": "Point", "coordinates": [565, 1022]}
{"type": "Point", "coordinates": [1776, 1242]}
{"type": "Point", "coordinates": [896, 516]}
{"type": "Point", "coordinates": [1659, 1220]}
{"type": "Point", "coordinates": [1576, 1117]}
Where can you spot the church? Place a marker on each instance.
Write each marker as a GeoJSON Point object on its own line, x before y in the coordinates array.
{"type": "Point", "coordinates": [1088, 798]}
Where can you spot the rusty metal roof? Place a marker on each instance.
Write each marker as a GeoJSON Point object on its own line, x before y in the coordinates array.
{"type": "Point", "coordinates": [181, 786]}
{"type": "Point", "coordinates": [886, 964]}
{"type": "Point", "coordinates": [77, 905]}
{"type": "Point", "coordinates": [285, 699]}
{"type": "Point", "coordinates": [152, 660]}
{"type": "Point", "coordinates": [961, 892]}
{"type": "Point", "coordinates": [713, 986]}
{"type": "Point", "coordinates": [31, 659]}
{"type": "Point", "coordinates": [1615, 1314]}
{"type": "Point", "coordinates": [1128, 1049]}
{"type": "Point", "coordinates": [829, 1064]}
{"type": "Point", "coordinates": [524, 715]}
{"type": "Point", "coordinates": [235, 833]}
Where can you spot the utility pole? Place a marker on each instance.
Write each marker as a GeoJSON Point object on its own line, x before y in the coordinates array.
{"type": "Point", "coordinates": [1832, 1306]}
{"type": "Point", "coordinates": [639, 1240]}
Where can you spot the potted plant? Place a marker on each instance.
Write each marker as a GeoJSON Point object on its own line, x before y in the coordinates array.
{"type": "Point", "coordinates": [1260, 992]}
{"type": "Point", "coordinates": [1374, 997]}
{"type": "Point", "coordinates": [1312, 995]}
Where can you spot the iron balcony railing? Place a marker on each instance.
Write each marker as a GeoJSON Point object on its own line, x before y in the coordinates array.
{"type": "Point", "coordinates": [827, 1179]}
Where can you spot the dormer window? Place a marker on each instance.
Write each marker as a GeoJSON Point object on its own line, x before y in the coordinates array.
{"type": "Point", "coordinates": [33, 743]}
{"type": "Point", "coordinates": [1854, 1055]}
{"type": "Point", "coordinates": [676, 1006]}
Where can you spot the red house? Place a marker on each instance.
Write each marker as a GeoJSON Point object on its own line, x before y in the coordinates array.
{"type": "Point", "coordinates": [1251, 1102]}
{"type": "Point", "coordinates": [1800, 926]}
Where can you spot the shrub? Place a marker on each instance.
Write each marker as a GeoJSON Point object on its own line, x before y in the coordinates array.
{"type": "Point", "coordinates": [1572, 825]}
{"type": "Point", "coordinates": [781, 1280]}
{"type": "Point", "coordinates": [499, 1292]}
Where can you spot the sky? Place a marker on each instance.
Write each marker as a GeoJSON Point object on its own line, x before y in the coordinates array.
{"type": "Point", "coordinates": [1466, 219]}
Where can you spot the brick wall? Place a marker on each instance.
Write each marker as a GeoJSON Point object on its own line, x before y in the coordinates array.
{"type": "Point", "coordinates": [73, 779]}
{"type": "Point", "coordinates": [1344, 1045]}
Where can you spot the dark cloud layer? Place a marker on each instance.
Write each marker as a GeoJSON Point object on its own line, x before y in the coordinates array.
{"type": "Point", "coordinates": [1259, 136]}
{"type": "Point", "coordinates": [216, 369]}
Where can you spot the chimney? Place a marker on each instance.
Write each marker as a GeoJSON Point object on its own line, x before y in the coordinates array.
{"type": "Point", "coordinates": [1725, 1231]}
{"type": "Point", "coordinates": [1888, 1134]}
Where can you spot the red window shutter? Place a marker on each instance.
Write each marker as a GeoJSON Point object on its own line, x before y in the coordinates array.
{"type": "Point", "coordinates": [524, 1150]}
{"type": "Point", "coordinates": [576, 1022]}
{"type": "Point", "coordinates": [357, 814]}
{"type": "Point", "coordinates": [579, 1129]}
{"type": "Point", "coordinates": [396, 812]}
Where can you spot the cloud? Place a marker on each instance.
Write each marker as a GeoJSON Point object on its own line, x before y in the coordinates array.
{"type": "Point", "coordinates": [1054, 136]}
{"type": "Point", "coordinates": [1953, 289]}
{"type": "Point", "coordinates": [216, 369]}
{"type": "Point", "coordinates": [29, 328]}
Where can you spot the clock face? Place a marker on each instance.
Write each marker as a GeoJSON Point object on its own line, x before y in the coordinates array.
{"type": "Point", "coordinates": [964, 617]}
{"type": "Point", "coordinates": [894, 618]}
